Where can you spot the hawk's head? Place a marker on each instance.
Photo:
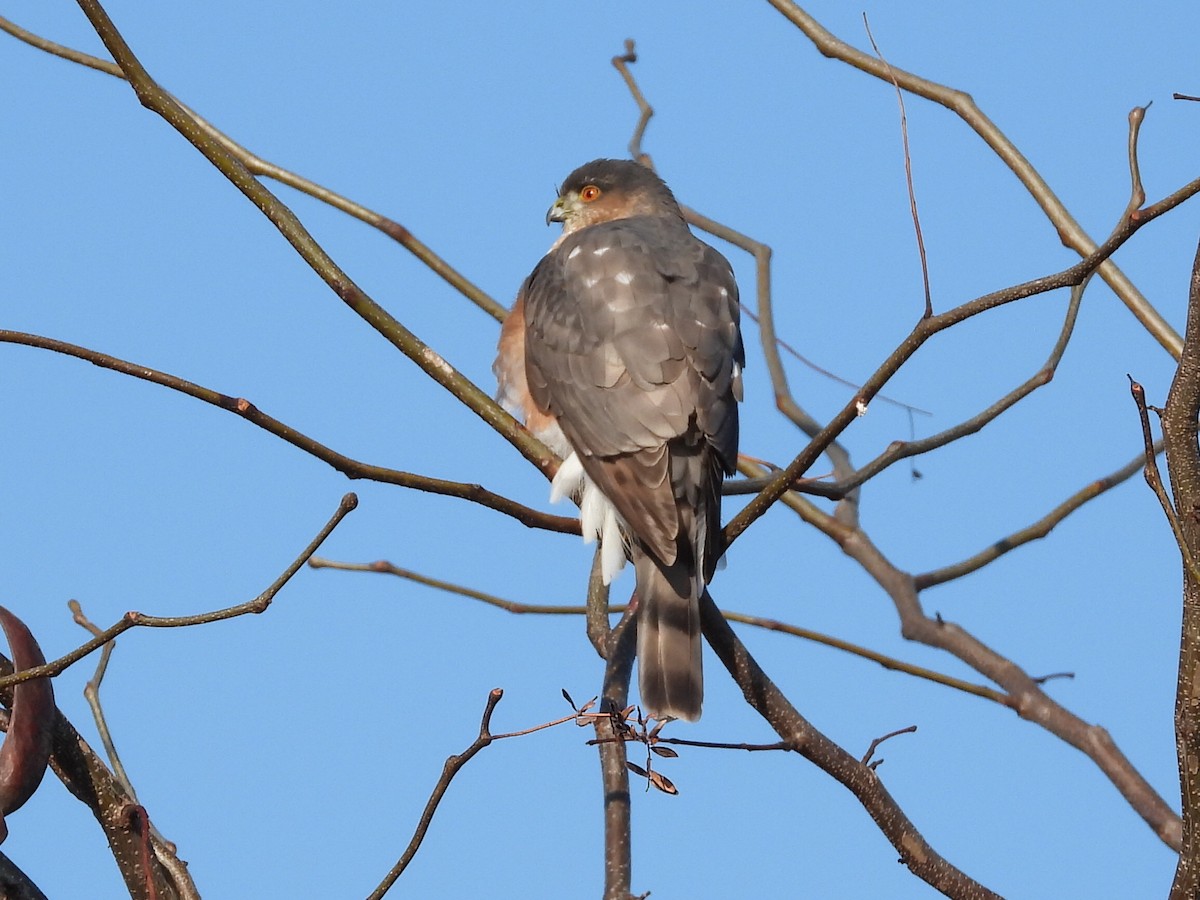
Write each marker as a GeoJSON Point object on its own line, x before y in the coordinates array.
{"type": "Point", "coordinates": [607, 189]}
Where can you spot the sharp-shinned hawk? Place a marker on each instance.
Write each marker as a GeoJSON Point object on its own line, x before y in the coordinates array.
{"type": "Point", "coordinates": [623, 355]}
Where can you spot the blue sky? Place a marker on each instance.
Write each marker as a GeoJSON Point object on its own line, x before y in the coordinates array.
{"type": "Point", "coordinates": [290, 754]}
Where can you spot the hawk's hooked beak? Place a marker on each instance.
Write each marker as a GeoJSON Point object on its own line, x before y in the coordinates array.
{"type": "Point", "coordinates": [561, 209]}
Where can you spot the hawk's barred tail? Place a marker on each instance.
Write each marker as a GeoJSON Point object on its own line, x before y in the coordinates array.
{"type": "Point", "coordinates": [670, 677]}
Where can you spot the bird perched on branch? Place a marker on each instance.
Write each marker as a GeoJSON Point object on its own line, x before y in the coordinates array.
{"type": "Point", "coordinates": [623, 355]}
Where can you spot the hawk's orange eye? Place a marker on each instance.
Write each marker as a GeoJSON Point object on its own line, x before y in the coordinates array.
{"type": "Point", "coordinates": [589, 193]}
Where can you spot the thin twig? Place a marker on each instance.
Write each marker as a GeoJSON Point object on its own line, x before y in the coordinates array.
{"type": "Point", "coordinates": [1036, 530]}
{"type": "Point", "coordinates": [908, 177]}
{"type": "Point", "coordinates": [1154, 479]}
{"type": "Point", "coordinates": [1042, 679]}
{"type": "Point", "coordinates": [260, 166]}
{"type": "Point", "coordinates": [1137, 194]}
{"type": "Point", "coordinates": [132, 619]}
{"type": "Point", "coordinates": [832, 376]}
{"type": "Point", "coordinates": [551, 609]}
{"type": "Point", "coordinates": [866, 760]}
{"type": "Point", "coordinates": [451, 768]}
{"type": "Point", "coordinates": [91, 692]}
{"type": "Point", "coordinates": [707, 745]}
{"type": "Point", "coordinates": [645, 110]}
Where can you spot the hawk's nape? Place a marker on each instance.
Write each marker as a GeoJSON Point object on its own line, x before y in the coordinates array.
{"type": "Point", "coordinates": [626, 361]}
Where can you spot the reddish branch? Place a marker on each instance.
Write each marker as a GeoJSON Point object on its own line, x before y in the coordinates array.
{"type": "Point", "coordinates": [26, 748]}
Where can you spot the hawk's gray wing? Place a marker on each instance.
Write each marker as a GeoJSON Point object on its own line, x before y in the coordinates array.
{"type": "Point", "coordinates": [632, 343]}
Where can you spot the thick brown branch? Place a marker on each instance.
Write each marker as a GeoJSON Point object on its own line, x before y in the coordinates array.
{"type": "Point", "coordinates": [1022, 693]}
{"type": "Point", "coordinates": [1025, 694]}
{"type": "Point", "coordinates": [1179, 422]}
{"type": "Point", "coordinates": [762, 694]}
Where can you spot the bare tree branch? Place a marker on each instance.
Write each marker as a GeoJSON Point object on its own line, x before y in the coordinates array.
{"type": "Point", "coordinates": [645, 110]}
{"type": "Point", "coordinates": [154, 98]}
{"type": "Point", "coordinates": [351, 468]}
{"type": "Point", "coordinates": [926, 328]}
{"type": "Point", "coordinates": [131, 619]}
{"type": "Point", "coordinates": [451, 768]}
{"type": "Point", "coordinates": [1025, 694]}
{"type": "Point", "coordinates": [550, 609]}
{"type": "Point", "coordinates": [1036, 530]}
{"type": "Point", "coordinates": [260, 166]}
{"type": "Point", "coordinates": [908, 177]}
{"type": "Point", "coordinates": [1022, 692]}
{"type": "Point", "coordinates": [866, 759]}
{"type": "Point", "coordinates": [1069, 231]}
{"type": "Point", "coordinates": [762, 694]}
{"type": "Point", "coordinates": [1179, 422]}
{"type": "Point", "coordinates": [899, 450]}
